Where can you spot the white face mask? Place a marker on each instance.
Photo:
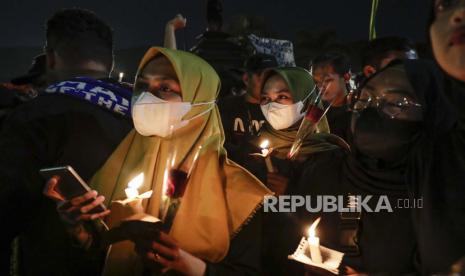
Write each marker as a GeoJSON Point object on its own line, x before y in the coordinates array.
{"type": "Point", "coordinates": [282, 116]}
{"type": "Point", "coordinates": [153, 116]}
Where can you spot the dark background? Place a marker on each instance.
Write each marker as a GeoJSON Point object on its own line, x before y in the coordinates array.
{"type": "Point", "coordinates": [139, 24]}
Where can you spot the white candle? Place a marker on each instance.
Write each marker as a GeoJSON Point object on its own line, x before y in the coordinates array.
{"type": "Point", "coordinates": [133, 186]}
{"type": "Point", "coordinates": [133, 198]}
{"type": "Point", "coordinates": [121, 75]}
{"type": "Point", "coordinates": [314, 243]}
{"type": "Point", "coordinates": [266, 154]}
{"type": "Point", "coordinates": [131, 205]}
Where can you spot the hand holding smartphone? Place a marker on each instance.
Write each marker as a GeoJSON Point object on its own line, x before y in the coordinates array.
{"type": "Point", "coordinates": [71, 187]}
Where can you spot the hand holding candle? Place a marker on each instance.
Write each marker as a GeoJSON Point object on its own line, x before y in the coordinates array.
{"type": "Point", "coordinates": [316, 257]}
{"type": "Point", "coordinates": [314, 243]}
{"type": "Point", "coordinates": [266, 154]}
{"type": "Point", "coordinates": [132, 204]}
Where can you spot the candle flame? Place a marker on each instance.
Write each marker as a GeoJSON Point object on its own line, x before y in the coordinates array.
{"type": "Point", "coordinates": [136, 182]}
{"type": "Point", "coordinates": [265, 144]}
{"type": "Point", "coordinates": [311, 230]}
{"type": "Point", "coordinates": [131, 193]}
{"type": "Point", "coordinates": [121, 75]}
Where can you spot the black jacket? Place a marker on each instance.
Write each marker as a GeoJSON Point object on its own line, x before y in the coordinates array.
{"type": "Point", "coordinates": [51, 130]}
{"type": "Point", "coordinates": [379, 243]}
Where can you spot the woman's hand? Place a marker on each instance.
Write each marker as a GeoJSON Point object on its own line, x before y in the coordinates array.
{"type": "Point", "coordinates": [76, 211]}
{"type": "Point", "coordinates": [164, 251]}
{"type": "Point", "coordinates": [277, 183]}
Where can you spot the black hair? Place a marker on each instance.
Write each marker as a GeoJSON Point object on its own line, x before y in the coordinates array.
{"type": "Point", "coordinates": [78, 36]}
{"type": "Point", "coordinates": [339, 61]}
{"type": "Point", "coordinates": [378, 49]}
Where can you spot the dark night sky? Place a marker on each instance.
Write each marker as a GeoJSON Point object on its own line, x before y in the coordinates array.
{"type": "Point", "coordinates": [141, 22]}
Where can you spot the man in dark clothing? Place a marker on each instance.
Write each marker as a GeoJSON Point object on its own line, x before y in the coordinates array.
{"type": "Point", "coordinates": [241, 116]}
{"type": "Point", "coordinates": [331, 72]}
{"type": "Point", "coordinates": [78, 121]}
{"type": "Point", "coordinates": [223, 51]}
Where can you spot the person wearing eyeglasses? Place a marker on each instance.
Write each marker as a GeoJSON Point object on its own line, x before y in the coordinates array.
{"type": "Point", "coordinates": [387, 121]}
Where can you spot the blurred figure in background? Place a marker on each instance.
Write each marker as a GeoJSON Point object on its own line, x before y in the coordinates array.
{"type": "Point", "coordinates": [381, 51]}
{"type": "Point", "coordinates": [241, 116]}
{"type": "Point", "coordinates": [331, 73]}
{"type": "Point", "coordinates": [222, 50]}
{"type": "Point", "coordinates": [25, 87]}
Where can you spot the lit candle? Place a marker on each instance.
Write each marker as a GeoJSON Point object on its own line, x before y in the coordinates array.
{"type": "Point", "coordinates": [133, 198]}
{"type": "Point", "coordinates": [314, 243]}
{"type": "Point", "coordinates": [133, 186]}
{"type": "Point", "coordinates": [131, 205]}
{"type": "Point", "coordinates": [266, 154]}
{"type": "Point", "coordinates": [121, 76]}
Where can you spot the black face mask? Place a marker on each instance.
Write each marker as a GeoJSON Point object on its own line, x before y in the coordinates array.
{"type": "Point", "coordinates": [379, 137]}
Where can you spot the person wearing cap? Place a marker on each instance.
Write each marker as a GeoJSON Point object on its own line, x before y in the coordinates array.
{"type": "Point", "coordinates": [241, 116]}
{"type": "Point", "coordinates": [24, 87]}
{"type": "Point", "coordinates": [78, 120]}
{"type": "Point", "coordinates": [35, 79]}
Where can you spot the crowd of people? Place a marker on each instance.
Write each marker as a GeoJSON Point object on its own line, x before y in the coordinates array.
{"type": "Point", "coordinates": [393, 132]}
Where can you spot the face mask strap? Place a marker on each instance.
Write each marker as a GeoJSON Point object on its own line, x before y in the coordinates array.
{"type": "Point", "coordinates": [304, 100]}
{"type": "Point", "coordinates": [309, 94]}
{"type": "Point", "coordinates": [203, 103]}
{"type": "Point", "coordinates": [201, 113]}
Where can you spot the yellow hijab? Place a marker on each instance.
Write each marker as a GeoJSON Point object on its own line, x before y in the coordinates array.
{"type": "Point", "coordinates": [220, 196]}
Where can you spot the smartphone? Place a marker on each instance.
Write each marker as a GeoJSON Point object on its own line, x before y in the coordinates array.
{"type": "Point", "coordinates": [70, 184]}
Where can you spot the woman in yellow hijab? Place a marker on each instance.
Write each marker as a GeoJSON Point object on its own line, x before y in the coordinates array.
{"type": "Point", "coordinates": [206, 201]}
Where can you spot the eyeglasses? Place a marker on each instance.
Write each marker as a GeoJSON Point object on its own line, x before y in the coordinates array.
{"type": "Point", "coordinates": [391, 107]}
